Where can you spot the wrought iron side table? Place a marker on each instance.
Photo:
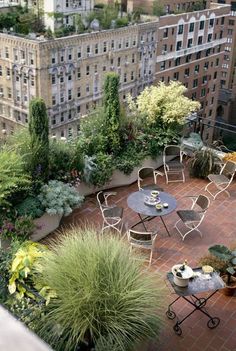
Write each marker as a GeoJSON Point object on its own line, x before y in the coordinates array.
{"type": "Point", "coordinates": [203, 283]}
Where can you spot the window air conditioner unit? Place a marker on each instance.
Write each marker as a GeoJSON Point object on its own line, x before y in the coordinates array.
{"type": "Point", "coordinates": [22, 61]}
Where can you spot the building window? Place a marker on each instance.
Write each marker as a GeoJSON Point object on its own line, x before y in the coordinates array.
{"type": "Point", "coordinates": [133, 58]}
{"type": "Point", "coordinates": [177, 61]}
{"type": "Point", "coordinates": [209, 38]}
{"type": "Point", "coordinates": [69, 115]}
{"type": "Point", "coordinates": [0, 71]}
{"type": "Point", "coordinates": [54, 121]}
{"type": "Point", "coordinates": [176, 76]}
{"type": "Point", "coordinates": [105, 46]}
{"type": "Point", "coordinates": [195, 83]}
{"type": "Point", "coordinates": [178, 45]}
{"type": "Point", "coordinates": [70, 55]}
{"type": "Point", "coordinates": [180, 29]}
{"type": "Point", "coordinates": [9, 95]}
{"type": "Point", "coordinates": [87, 89]}
{"type": "Point", "coordinates": [54, 101]}
{"type": "Point", "coordinates": [6, 52]}
{"type": "Point", "coordinates": [88, 49]}
{"type": "Point", "coordinates": [201, 25]}
{"type": "Point", "coordinates": [125, 77]}
{"type": "Point", "coordinates": [62, 78]}
{"type": "Point", "coordinates": [165, 33]}
{"type": "Point", "coordinates": [163, 65]}
{"type": "Point", "coordinates": [53, 79]}
{"type": "Point", "coordinates": [190, 43]}
{"type": "Point", "coordinates": [186, 72]}
{"type": "Point", "coordinates": [198, 55]}
{"type": "Point", "coordinates": [204, 79]}
{"type": "Point", "coordinates": [87, 70]}
{"type": "Point", "coordinates": [79, 53]}
{"type": "Point", "coordinates": [191, 27]}
{"type": "Point", "coordinates": [211, 22]}
{"type": "Point", "coordinates": [196, 69]}
{"type": "Point", "coordinates": [231, 22]}
{"type": "Point", "coordinates": [62, 97]}
{"type": "Point", "coordinates": [215, 75]}
{"type": "Point", "coordinates": [188, 58]}
{"type": "Point", "coordinates": [208, 52]}
{"type": "Point", "coordinates": [53, 59]}
{"type": "Point", "coordinates": [8, 72]}
{"type": "Point", "coordinates": [69, 94]}
{"type": "Point", "coordinates": [78, 92]}
{"type": "Point", "coordinates": [78, 109]}
{"type": "Point", "coordinates": [112, 44]}
{"type": "Point", "coordinates": [62, 117]}
{"type": "Point", "coordinates": [118, 62]}
{"type": "Point", "coordinates": [78, 73]}
{"type": "Point", "coordinates": [132, 75]}
{"type": "Point", "coordinates": [203, 92]}
{"type": "Point", "coordinates": [69, 76]}
{"type": "Point", "coordinates": [200, 39]}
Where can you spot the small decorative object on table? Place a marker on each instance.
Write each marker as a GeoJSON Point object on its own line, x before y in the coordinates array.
{"type": "Point", "coordinates": [151, 201]}
{"type": "Point", "coordinates": [182, 273]}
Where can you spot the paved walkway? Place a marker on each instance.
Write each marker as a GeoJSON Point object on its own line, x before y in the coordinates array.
{"type": "Point", "coordinates": [219, 227]}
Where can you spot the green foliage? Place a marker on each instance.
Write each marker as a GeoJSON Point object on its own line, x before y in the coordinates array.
{"type": "Point", "coordinates": [102, 294]}
{"type": "Point", "coordinates": [158, 8]}
{"type": "Point", "coordinates": [226, 255]}
{"type": "Point", "coordinates": [103, 171]}
{"type": "Point", "coordinates": [215, 262]}
{"type": "Point", "coordinates": [30, 206]}
{"type": "Point", "coordinates": [129, 158]}
{"type": "Point", "coordinates": [62, 160]}
{"type": "Point", "coordinates": [21, 228]}
{"type": "Point", "coordinates": [122, 22]}
{"type": "Point", "coordinates": [59, 198]}
{"type": "Point", "coordinates": [39, 131]}
{"type": "Point", "coordinates": [25, 263]}
{"type": "Point", "coordinates": [203, 163]}
{"type": "Point", "coordinates": [12, 175]}
{"type": "Point", "coordinates": [112, 121]}
{"type": "Point", "coordinates": [105, 16]}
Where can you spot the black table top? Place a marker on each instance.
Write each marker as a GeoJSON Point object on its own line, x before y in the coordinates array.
{"type": "Point", "coordinates": [198, 284]}
{"type": "Point", "coordinates": [135, 201]}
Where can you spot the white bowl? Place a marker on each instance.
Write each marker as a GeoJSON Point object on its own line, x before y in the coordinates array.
{"type": "Point", "coordinates": [186, 275]}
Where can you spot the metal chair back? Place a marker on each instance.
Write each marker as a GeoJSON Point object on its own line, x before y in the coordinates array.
{"type": "Point", "coordinates": [203, 202]}
{"type": "Point", "coordinates": [229, 169]}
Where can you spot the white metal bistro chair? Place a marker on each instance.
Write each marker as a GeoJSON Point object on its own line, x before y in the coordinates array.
{"type": "Point", "coordinates": [191, 219]}
{"type": "Point", "coordinates": [147, 172]}
{"type": "Point", "coordinates": [222, 180]}
{"type": "Point", "coordinates": [112, 215]}
{"type": "Point", "coordinates": [142, 240]}
{"type": "Point", "coordinates": [173, 163]}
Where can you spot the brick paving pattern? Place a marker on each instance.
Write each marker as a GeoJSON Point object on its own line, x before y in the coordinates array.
{"type": "Point", "coordinates": [217, 228]}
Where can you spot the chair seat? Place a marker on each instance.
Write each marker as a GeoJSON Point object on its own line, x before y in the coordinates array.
{"type": "Point", "coordinates": [151, 187]}
{"type": "Point", "coordinates": [218, 178]}
{"type": "Point", "coordinates": [189, 215]}
{"type": "Point", "coordinates": [175, 166]}
{"type": "Point", "coordinates": [114, 212]}
{"type": "Point", "coordinates": [141, 243]}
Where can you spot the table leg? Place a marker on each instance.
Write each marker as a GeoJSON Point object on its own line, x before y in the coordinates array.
{"type": "Point", "coordinates": [165, 226]}
{"type": "Point", "coordinates": [142, 221]}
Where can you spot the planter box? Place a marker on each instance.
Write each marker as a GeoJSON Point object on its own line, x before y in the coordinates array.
{"type": "Point", "coordinates": [47, 224]}
{"type": "Point", "coordinates": [119, 178]}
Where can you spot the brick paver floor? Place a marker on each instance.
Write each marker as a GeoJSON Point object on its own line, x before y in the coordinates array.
{"type": "Point", "coordinates": [219, 227]}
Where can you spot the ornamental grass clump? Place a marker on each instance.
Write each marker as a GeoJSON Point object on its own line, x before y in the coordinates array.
{"type": "Point", "coordinates": [103, 294]}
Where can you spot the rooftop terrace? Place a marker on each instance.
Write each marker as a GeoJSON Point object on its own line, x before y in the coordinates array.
{"type": "Point", "coordinates": [217, 228]}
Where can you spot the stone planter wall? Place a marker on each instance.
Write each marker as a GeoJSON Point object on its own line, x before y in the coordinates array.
{"type": "Point", "coordinates": [46, 224]}
{"type": "Point", "coordinates": [119, 178]}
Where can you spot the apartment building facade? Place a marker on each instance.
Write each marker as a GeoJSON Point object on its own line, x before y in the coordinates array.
{"type": "Point", "coordinates": [68, 73]}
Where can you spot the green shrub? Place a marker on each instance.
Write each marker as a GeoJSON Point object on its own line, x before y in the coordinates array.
{"type": "Point", "coordinates": [103, 171]}
{"type": "Point", "coordinates": [203, 163]}
{"type": "Point", "coordinates": [59, 198]}
{"type": "Point", "coordinates": [13, 176]}
{"type": "Point", "coordinates": [103, 295]}
{"type": "Point", "coordinates": [21, 228]}
{"type": "Point", "coordinates": [30, 206]}
{"type": "Point", "coordinates": [128, 159]}
{"type": "Point", "coordinates": [122, 22]}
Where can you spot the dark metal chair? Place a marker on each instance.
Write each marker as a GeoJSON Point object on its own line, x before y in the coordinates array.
{"type": "Point", "coordinates": [112, 215]}
{"type": "Point", "coordinates": [191, 219]}
{"type": "Point", "coordinates": [173, 163]}
{"type": "Point", "coordinates": [147, 172]}
{"type": "Point", "coordinates": [222, 180]}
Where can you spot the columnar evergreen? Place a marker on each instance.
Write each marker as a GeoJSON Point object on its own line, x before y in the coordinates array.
{"type": "Point", "coordinates": [112, 112]}
{"type": "Point", "coordinates": [39, 134]}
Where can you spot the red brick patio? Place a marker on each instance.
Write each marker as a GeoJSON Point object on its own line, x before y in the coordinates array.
{"type": "Point", "coordinates": [218, 227]}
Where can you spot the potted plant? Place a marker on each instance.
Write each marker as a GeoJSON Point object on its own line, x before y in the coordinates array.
{"type": "Point", "coordinates": [203, 163]}
{"type": "Point", "coordinates": [57, 200]}
{"type": "Point", "coordinates": [228, 256]}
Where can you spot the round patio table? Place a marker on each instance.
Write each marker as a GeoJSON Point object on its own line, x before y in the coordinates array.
{"type": "Point", "coordinates": [136, 200]}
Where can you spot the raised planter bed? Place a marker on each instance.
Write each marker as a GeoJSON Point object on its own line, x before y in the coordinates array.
{"type": "Point", "coordinates": [45, 225]}
{"type": "Point", "coordinates": [119, 178]}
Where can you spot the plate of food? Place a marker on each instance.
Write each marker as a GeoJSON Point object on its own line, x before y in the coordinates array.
{"type": "Point", "coordinates": [151, 201]}
{"type": "Point", "coordinates": [159, 207]}
{"type": "Point", "coordinates": [154, 193]}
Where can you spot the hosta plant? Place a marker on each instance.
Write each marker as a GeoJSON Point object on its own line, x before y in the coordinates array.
{"type": "Point", "coordinates": [57, 197]}
{"type": "Point", "coordinates": [103, 297]}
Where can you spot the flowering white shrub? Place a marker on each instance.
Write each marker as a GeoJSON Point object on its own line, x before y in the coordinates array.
{"type": "Point", "coordinates": [166, 103]}
{"type": "Point", "coordinates": [59, 198]}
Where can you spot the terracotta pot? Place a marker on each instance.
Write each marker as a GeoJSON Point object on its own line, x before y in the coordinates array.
{"type": "Point", "coordinates": [229, 290]}
{"type": "Point", "coordinates": [45, 225]}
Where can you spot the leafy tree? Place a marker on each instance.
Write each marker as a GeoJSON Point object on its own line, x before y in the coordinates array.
{"type": "Point", "coordinates": [112, 122]}
{"type": "Point", "coordinates": [158, 9]}
{"type": "Point", "coordinates": [164, 105]}
{"type": "Point", "coordinates": [39, 130]}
